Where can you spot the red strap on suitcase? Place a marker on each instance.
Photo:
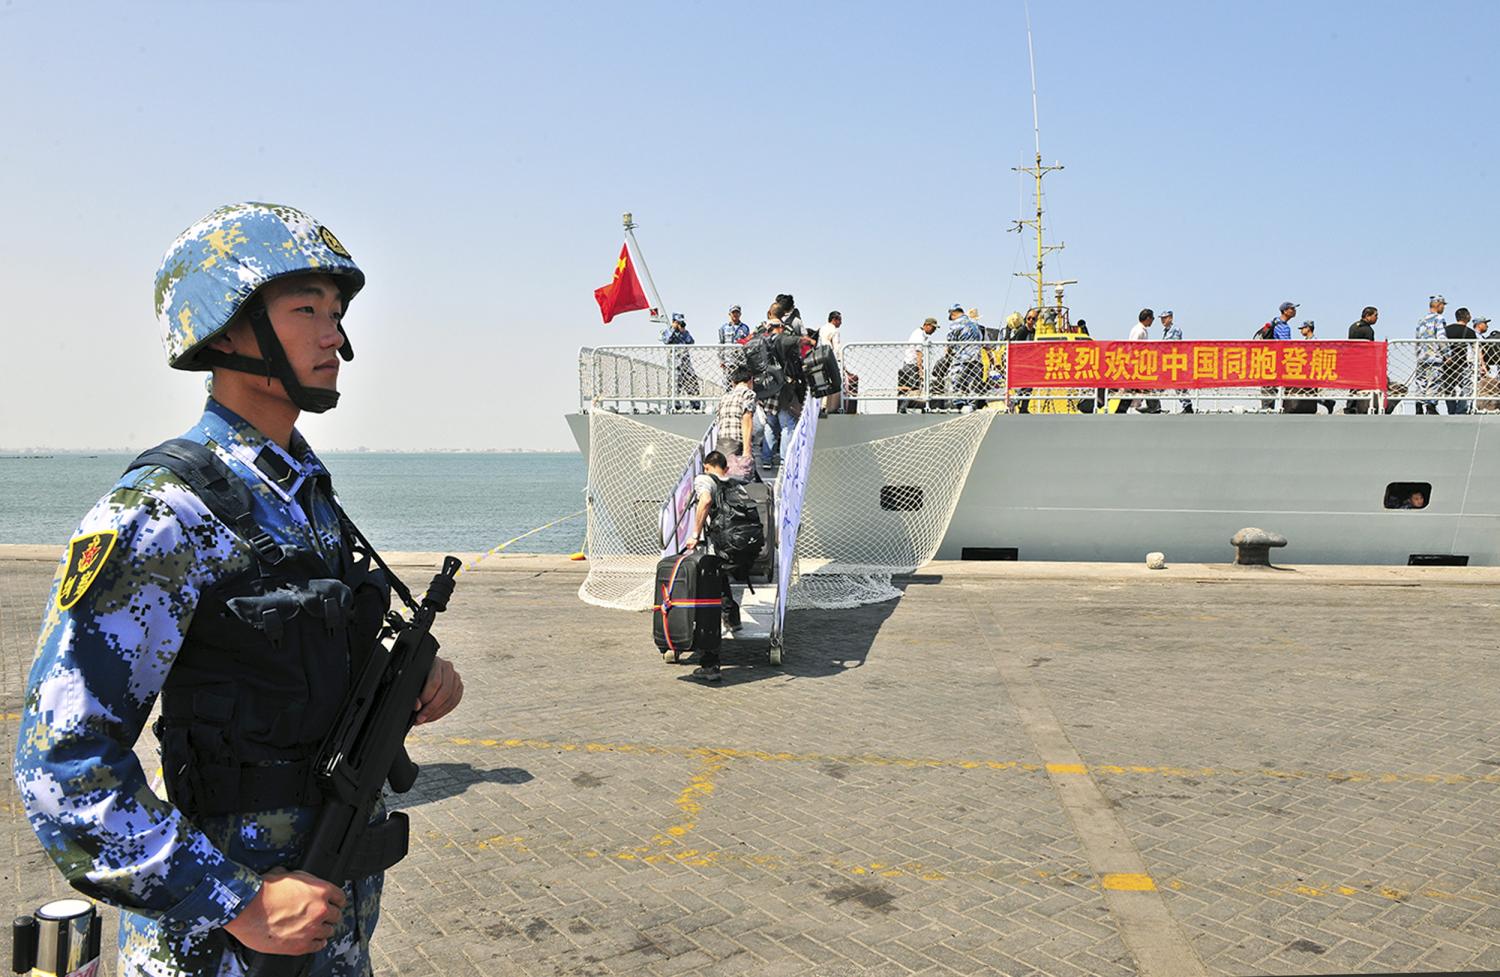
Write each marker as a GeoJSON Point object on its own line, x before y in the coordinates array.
{"type": "Point", "coordinates": [667, 603]}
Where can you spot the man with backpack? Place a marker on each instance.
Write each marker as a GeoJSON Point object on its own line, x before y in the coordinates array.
{"type": "Point", "coordinates": [775, 361]}
{"type": "Point", "coordinates": [726, 518]}
{"type": "Point", "coordinates": [1279, 328]}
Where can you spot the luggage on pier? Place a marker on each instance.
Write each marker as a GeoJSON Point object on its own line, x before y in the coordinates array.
{"type": "Point", "coordinates": [688, 602]}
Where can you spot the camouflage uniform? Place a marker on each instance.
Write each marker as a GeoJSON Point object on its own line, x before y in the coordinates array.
{"type": "Point", "coordinates": [1173, 334]}
{"type": "Point", "coordinates": [121, 605]}
{"type": "Point", "coordinates": [967, 376]}
{"type": "Point", "coordinates": [680, 362]}
{"type": "Point", "coordinates": [98, 669]}
{"type": "Point", "coordinates": [1429, 377]}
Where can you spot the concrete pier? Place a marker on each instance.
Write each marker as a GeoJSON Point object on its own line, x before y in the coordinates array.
{"type": "Point", "coordinates": [1017, 768]}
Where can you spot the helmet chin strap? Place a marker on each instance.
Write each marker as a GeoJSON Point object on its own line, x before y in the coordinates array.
{"type": "Point", "coordinates": [274, 363]}
{"type": "Point", "coordinates": [314, 400]}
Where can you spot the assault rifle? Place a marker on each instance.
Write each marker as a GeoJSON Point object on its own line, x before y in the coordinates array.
{"type": "Point", "coordinates": [364, 750]}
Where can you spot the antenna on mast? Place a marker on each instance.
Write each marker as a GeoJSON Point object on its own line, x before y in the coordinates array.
{"type": "Point", "coordinates": [1038, 171]}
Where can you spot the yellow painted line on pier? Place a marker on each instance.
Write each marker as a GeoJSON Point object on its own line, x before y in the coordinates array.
{"type": "Point", "coordinates": [1335, 890]}
{"type": "Point", "coordinates": [689, 801]}
{"type": "Point", "coordinates": [924, 872]}
{"type": "Point", "coordinates": [877, 760]}
{"type": "Point", "coordinates": [771, 862]}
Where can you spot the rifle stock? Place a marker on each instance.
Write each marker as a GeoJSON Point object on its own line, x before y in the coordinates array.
{"type": "Point", "coordinates": [364, 750]}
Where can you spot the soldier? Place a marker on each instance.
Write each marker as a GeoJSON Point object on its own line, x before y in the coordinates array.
{"type": "Point", "coordinates": [1172, 333]}
{"type": "Point", "coordinates": [681, 363]}
{"type": "Point", "coordinates": [1429, 378]}
{"type": "Point", "coordinates": [733, 334]}
{"type": "Point", "coordinates": [246, 631]}
{"type": "Point", "coordinates": [966, 373]}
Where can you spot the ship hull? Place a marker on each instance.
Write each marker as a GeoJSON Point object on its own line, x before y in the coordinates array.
{"type": "Point", "coordinates": [1113, 488]}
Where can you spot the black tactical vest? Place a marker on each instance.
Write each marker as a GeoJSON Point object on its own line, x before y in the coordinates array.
{"type": "Point", "coordinates": [267, 659]}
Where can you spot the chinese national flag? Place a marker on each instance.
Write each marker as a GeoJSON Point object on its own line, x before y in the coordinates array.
{"type": "Point", "coordinates": [624, 292]}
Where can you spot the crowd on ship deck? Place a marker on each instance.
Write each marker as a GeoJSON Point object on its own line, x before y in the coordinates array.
{"type": "Point", "coordinates": [754, 425]}
{"type": "Point", "coordinates": [953, 366]}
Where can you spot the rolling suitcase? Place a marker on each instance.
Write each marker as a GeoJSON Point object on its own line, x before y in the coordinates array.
{"type": "Point", "coordinates": [821, 370]}
{"type": "Point", "coordinates": [687, 603]}
{"type": "Point", "coordinates": [764, 567]}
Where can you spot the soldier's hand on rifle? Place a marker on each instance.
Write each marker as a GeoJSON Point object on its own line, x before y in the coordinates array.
{"type": "Point", "coordinates": [293, 914]}
{"type": "Point", "coordinates": [442, 692]}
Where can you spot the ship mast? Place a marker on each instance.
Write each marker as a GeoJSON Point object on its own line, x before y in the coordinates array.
{"type": "Point", "coordinates": [658, 311]}
{"type": "Point", "coordinates": [1038, 171]}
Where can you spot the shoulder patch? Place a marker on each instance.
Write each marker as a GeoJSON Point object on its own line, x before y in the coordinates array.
{"type": "Point", "coordinates": [86, 556]}
{"type": "Point", "coordinates": [333, 243]}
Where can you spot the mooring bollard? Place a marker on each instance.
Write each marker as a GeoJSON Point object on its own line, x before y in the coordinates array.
{"type": "Point", "coordinates": [1253, 546]}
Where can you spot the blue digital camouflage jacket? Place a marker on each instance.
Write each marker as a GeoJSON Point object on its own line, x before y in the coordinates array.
{"type": "Point", "coordinates": [120, 606]}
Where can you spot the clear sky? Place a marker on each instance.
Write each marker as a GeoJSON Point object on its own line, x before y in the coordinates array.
{"type": "Point", "coordinates": [475, 158]}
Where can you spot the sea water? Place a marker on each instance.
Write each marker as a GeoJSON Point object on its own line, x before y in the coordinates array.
{"type": "Point", "coordinates": [459, 502]}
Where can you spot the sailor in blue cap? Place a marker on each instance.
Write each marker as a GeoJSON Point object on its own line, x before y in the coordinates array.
{"type": "Point", "coordinates": [1172, 334]}
{"type": "Point", "coordinates": [680, 362]}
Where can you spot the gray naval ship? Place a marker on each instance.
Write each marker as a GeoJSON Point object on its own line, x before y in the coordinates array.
{"type": "Point", "coordinates": [1060, 475]}
{"type": "Point", "coordinates": [1103, 486]}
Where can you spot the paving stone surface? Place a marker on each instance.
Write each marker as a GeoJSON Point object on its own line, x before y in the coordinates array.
{"type": "Point", "coordinates": [1308, 773]}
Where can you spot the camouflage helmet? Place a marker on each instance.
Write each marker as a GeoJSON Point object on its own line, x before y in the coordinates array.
{"type": "Point", "coordinates": [219, 262]}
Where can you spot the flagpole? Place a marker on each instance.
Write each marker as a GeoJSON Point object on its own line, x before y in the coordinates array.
{"type": "Point", "coordinates": [661, 310]}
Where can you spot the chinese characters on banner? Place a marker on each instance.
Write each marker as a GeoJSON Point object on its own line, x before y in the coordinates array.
{"type": "Point", "coordinates": [1335, 364]}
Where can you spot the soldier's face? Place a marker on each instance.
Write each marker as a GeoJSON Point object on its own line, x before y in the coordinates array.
{"type": "Point", "coordinates": [306, 311]}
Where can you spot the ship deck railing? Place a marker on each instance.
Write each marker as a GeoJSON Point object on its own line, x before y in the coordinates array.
{"type": "Point", "coordinates": [881, 378]}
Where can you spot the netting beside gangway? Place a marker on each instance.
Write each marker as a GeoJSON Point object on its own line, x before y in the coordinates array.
{"type": "Point", "coordinates": [872, 510]}
{"type": "Point", "coordinates": [880, 508]}
{"type": "Point", "coordinates": [633, 467]}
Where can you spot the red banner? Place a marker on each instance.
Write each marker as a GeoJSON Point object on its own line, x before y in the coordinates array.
{"type": "Point", "coordinates": [1161, 365]}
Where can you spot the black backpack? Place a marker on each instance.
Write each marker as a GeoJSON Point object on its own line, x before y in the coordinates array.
{"type": "Point", "coordinates": [736, 530]}
{"type": "Point", "coordinates": [762, 356]}
{"type": "Point", "coordinates": [789, 353]}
